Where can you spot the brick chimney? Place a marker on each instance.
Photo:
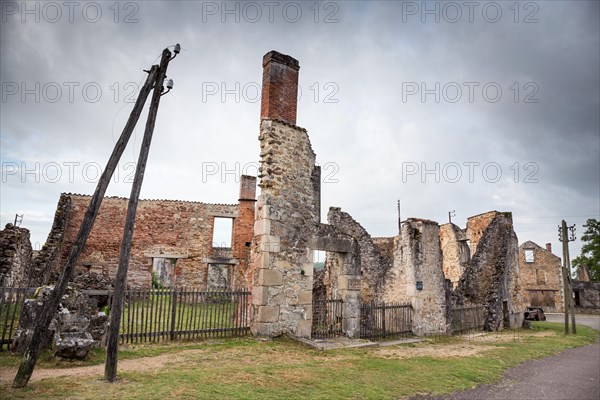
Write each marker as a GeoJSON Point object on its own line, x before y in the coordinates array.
{"type": "Point", "coordinates": [248, 188]}
{"type": "Point", "coordinates": [549, 247]}
{"type": "Point", "coordinates": [279, 87]}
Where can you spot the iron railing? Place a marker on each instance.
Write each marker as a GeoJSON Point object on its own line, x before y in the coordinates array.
{"type": "Point", "coordinates": [379, 321]}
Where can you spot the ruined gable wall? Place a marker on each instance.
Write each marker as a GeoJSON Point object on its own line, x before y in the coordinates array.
{"type": "Point", "coordinates": [162, 227]}
{"type": "Point", "coordinates": [15, 256]}
{"type": "Point", "coordinates": [418, 258]}
{"type": "Point", "coordinates": [455, 250]}
{"type": "Point", "coordinates": [385, 245]}
{"type": "Point", "coordinates": [47, 265]}
{"type": "Point", "coordinates": [541, 281]}
{"type": "Point", "coordinates": [287, 221]}
{"type": "Point", "coordinates": [374, 264]}
{"type": "Point", "coordinates": [476, 226]}
{"type": "Point", "coordinates": [492, 276]}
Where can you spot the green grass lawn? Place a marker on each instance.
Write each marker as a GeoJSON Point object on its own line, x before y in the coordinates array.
{"type": "Point", "coordinates": [283, 369]}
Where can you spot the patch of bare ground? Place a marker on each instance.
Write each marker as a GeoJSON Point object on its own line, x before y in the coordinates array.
{"type": "Point", "coordinates": [474, 345]}
{"type": "Point", "coordinates": [504, 337]}
{"type": "Point", "coordinates": [137, 365]}
{"type": "Point", "coordinates": [445, 351]}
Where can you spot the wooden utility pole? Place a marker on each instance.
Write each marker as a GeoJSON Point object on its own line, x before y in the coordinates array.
{"type": "Point", "coordinates": [399, 219]}
{"type": "Point", "coordinates": [39, 337]}
{"type": "Point", "coordinates": [571, 299]}
{"type": "Point", "coordinates": [569, 306]}
{"type": "Point", "coordinates": [566, 292]}
{"type": "Point", "coordinates": [110, 367]}
{"type": "Point", "coordinates": [450, 215]}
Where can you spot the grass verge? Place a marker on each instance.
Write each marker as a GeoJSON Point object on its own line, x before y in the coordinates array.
{"type": "Point", "coordinates": [284, 369]}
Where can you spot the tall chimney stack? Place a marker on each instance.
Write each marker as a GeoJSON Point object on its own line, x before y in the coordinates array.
{"type": "Point", "coordinates": [280, 87]}
{"type": "Point", "coordinates": [549, 247]}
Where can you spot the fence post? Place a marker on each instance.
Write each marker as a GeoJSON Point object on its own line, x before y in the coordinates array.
{"type": "Point", "coordinates": [383, 331]}
{"type": "Point", "coordinates": [173, 312]}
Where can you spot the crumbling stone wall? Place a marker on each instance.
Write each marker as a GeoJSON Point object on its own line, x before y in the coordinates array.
{"type": "Point", "coordinates": [15, 256]}
{"type": "Point", "coordinates": [416, 275]}
{"type": "Point", "coordinates": [587, 296]}
{"type": "Point", "coordinates": [455, 251]}
{"type": "Point", "coordinates": [181, 231]}
{"type": "Point", "coordinates": [76, 313]}
{"type": "Point", "coordinates": [476, 226]}
{"type": "Point", "coordinates": [45, 267]}
{"type": "Point", "coordinates": [492, 277]}
{"type": "Point", "coordinates": [286, 224]}
{"type": "Point", "coordinates": [541, 279]}
{"type": "Point", "coordinates": [375, 260]}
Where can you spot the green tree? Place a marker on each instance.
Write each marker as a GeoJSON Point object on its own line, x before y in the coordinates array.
{"type": "Point", "coordinates": [590, 251]}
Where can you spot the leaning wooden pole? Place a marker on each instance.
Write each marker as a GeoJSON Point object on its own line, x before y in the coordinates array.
{"type": "Point", "coordinates": [39, 339]}
{"type": "Point", "coordinates": [110, 366]}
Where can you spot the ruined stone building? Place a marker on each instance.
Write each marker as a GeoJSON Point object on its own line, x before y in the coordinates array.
{"type": "Point", "coordinates": [420, 265]}
{"type": "Point", "coordinates": [541, 277]}
{"type": "Point", "coordinates": [436, 269]}
{"type": "Point", "coordinates": [172, 240]}
{"type": "Point", "coordinates": [586, 292]}
{"type": "Point", "coordinates": [15, 256]}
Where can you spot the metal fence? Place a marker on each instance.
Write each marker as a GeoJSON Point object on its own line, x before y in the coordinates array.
{"type": "Point", "coordinates": [151, 315]}
{"type": "Point", "coordinates": [466, 319]}
{"type": "Point", "coordinates": [327, 318]}
{"type": "Point", "coordinates": [385, 320]}
{"type": "Point", "coordinates": [11, 304]}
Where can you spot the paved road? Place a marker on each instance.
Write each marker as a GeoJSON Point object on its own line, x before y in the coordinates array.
{"type": "Point", "coordinates": [571, 375]}
{"type": "Point", "coordinates": [589, 320]}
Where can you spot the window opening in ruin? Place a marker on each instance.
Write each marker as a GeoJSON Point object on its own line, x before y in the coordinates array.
{"type": "Point", "coordinates": [540, 277]}
{"type": "Point", "coordinates": [222, 232]}
{"type": "Point", "coordinates": [319, 260]}
{"type": "Point", "coordinates": [219, 277]}
{"type": "Point", "coordinates": [577, 298]}
{"type": "Point", "coordinates": [94, 268]}
{"type": "Point", "coordinates": [163, 271]}
{"type": "Point", "coordinates": [529, 258]}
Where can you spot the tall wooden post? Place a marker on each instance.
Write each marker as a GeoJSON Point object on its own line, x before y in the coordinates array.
{"type": "Point", "coordinates": [110, 367]}
{"type": "Point", "coordinates": [39, 337]}
{"type": "Point", "coordinates": [571, 299]}
{"type": "Point", "coordinates": [566, 291]}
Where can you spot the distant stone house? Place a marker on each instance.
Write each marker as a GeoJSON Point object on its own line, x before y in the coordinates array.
{"type": "Point", "coordinates": [541, 277]}
{"type": "Point", "coordinates": [586, 292]}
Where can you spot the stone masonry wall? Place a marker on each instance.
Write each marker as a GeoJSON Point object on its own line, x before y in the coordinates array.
{"type": "Point", "coordinates": [588, 296]}
{"type": "Point", "coordinates": [455, 251]}
{"type": "Point", "coordinates": [15, 256]}
{"type": "Point", "coordinates": [418, 258]}
{"type": "Point", "coordinates": [286, 223]}
{"type": "Point", "coordinates": [46, 266]}
{"type": "Point", "coordinates": [374, 263]}
{"type": "Point", "coordinates": [541, 280]}
{"type": "Point", "coordinates": [492, 277]}
{"type": "Point", "coordinates": [476, 226]}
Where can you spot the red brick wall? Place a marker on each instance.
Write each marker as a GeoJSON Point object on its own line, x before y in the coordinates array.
{"type": "Point", "coordinates": [163, 228]}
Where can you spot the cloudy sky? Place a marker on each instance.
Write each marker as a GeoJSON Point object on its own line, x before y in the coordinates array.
{"type": "Point", "coordinates": [464, 106]}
